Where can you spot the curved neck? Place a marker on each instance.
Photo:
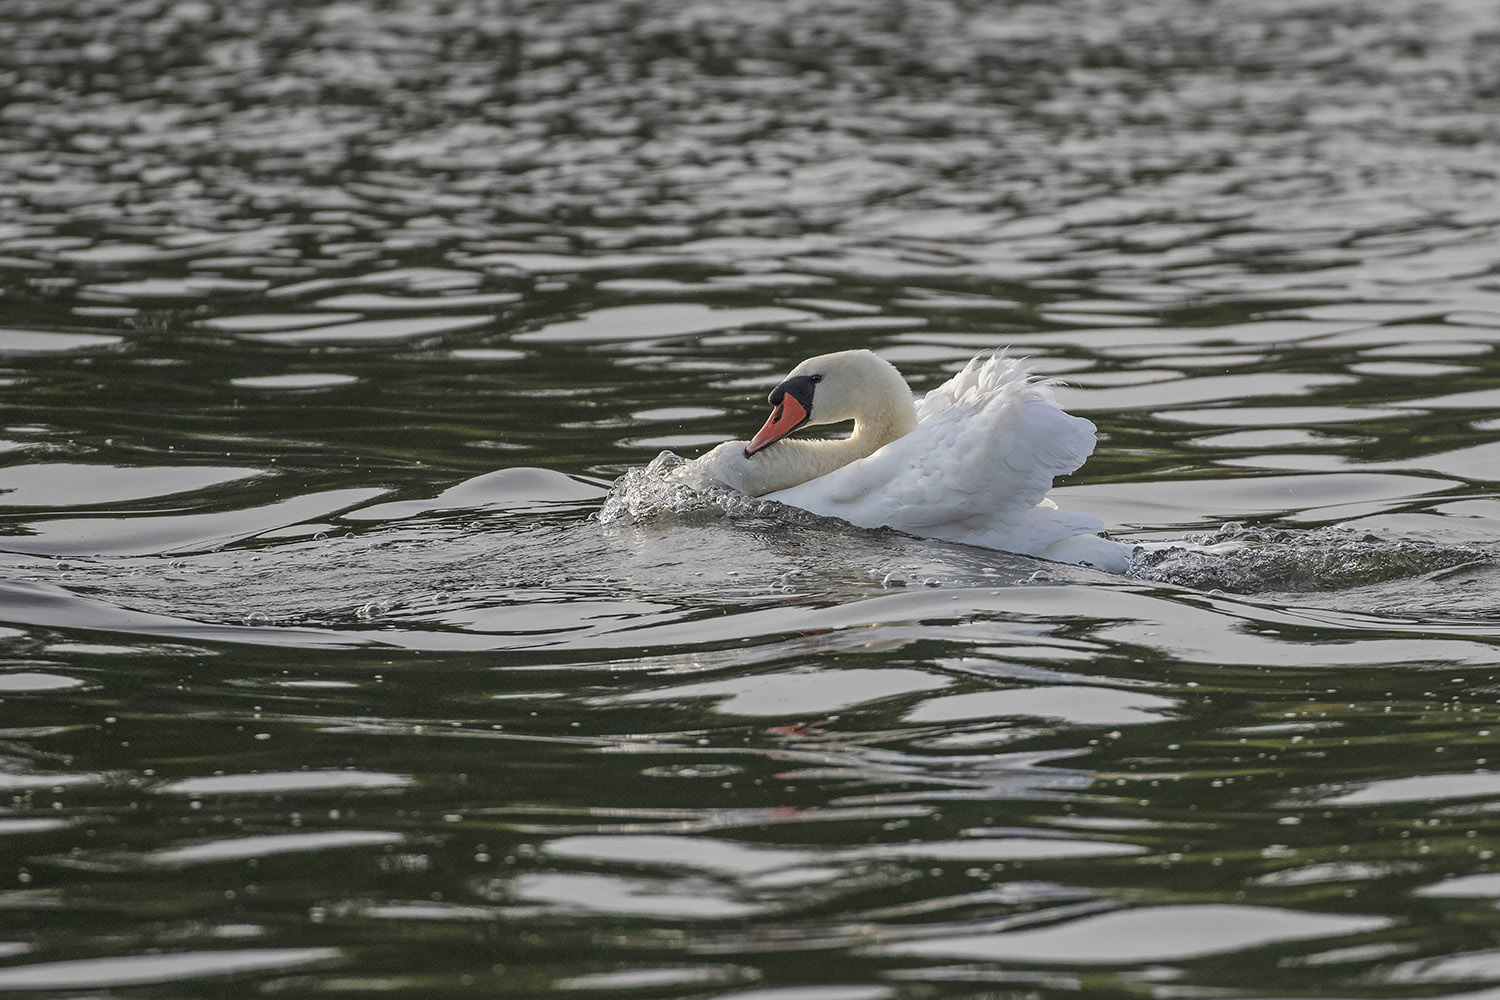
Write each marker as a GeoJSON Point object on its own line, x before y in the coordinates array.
{"type": "Point", "coordinates": [792, 461]}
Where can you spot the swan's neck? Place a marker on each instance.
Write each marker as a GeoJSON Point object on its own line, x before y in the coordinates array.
{"type": "Point", "coordinates": [792, 461]}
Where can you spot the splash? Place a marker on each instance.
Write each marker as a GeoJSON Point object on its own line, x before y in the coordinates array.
{"type": "Point", "coordinates": [1264, 560]}
{"type": "Point", "coordinates": [671, 485]}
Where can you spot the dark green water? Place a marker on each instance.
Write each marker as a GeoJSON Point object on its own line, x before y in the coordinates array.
{"type": "Point", "coordinates": [326, 327]}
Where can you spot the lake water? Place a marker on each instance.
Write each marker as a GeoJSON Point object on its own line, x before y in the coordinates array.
{"type": "Point", "coordinates": [325, 329]}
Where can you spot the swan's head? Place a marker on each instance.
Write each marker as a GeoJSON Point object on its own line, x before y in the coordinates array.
{"type": "Point", "coordinates": [832, 388]}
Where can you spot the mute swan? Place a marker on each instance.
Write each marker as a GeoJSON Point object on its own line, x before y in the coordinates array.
{"type": "Point", "coordinates": [970, 462]}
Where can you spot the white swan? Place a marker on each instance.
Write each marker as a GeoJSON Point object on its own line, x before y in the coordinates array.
{"type": "Point", "coordinates": [970, 462]}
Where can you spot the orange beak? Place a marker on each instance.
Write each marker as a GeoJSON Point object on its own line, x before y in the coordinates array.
{"type": "Point", "coordinates": [787, 417]}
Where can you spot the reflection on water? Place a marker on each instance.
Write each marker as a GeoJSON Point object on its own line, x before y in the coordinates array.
{"type": "Point", "coordinates": [332, 665]}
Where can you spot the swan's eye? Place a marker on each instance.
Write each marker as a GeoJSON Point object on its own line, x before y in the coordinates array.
{"type": "Point", "coordinates": [816, 378]}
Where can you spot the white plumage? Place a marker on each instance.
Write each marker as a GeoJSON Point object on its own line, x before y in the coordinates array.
{"type": "Point", "coordinates": [970, 462]}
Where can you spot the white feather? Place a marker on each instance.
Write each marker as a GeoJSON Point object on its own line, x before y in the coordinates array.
{"type": "Point", "coordinates": [977, 468]}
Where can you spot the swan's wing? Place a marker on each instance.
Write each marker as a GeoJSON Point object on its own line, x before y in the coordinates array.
{"type": "Point", "coordinates": [987, 445]}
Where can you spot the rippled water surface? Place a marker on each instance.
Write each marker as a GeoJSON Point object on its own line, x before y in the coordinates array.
{"type": "Point", "coordinates": [326, 328]}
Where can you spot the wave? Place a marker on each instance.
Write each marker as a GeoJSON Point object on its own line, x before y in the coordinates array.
{"type": "Point", "coordinates": [1233, 559]}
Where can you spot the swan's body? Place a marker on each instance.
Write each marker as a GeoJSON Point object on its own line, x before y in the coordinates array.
{"type": "Point", "coordinates": [970, 462]}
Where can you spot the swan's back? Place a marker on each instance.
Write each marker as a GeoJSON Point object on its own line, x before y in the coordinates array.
{"type": "Point", "coordinates": [1006, 423]}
